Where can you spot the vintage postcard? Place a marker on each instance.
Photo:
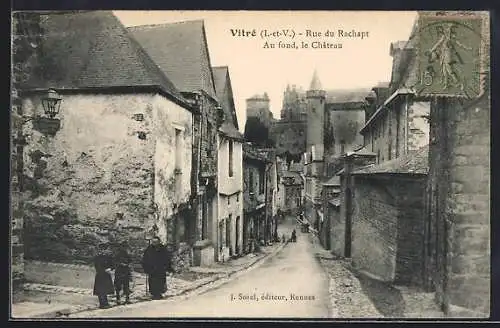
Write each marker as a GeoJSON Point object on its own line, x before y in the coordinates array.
{"type": "Point", "coordinates": [250, 164]}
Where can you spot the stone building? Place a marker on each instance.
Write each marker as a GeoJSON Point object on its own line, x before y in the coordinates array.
{"type": "Point", "coordinates": [289, 133]}
{"type": "Point", "coordinates": [292, 192]}
{"type": "Point", "coordinates": [180, 50]}
{"type": "Point", "coordinates": [342, 225]}
{"type": "Point", "coordinates": [387, 226]}
{"type": "Point", "coordinates": [331, 209]}
{"type": "Point", "coordinates": [230, 174]}
{"type": "Point", "coordinates": [254, 197]}
{"type": "Point", "coordinates": [114, 164]}
{"type": "Point", "coordinates": [333, 122]}
{"type": "Point", "coordinates": [258, 107]}
{"type": "Point", "coordinates": [458, 195]}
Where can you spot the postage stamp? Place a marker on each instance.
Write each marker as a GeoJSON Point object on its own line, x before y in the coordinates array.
{"type": "Point", "coordinates": [450, 55]}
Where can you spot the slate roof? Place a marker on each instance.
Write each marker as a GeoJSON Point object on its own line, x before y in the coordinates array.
{"type": "Point", "coordinates": [363, 151]}
{"type": "Point", "coordinates": [180, 50]}
{"type": "Point", "coordinates": [334, 202]}
{"type": "Point", "coordinates": [294, 176]}
{"type": "Point", "coordinates": [230, 131]}
{"type": "Point", "coordinates": [333, 181]}
{"type": "Point", "coordinates": [347, 95]}
{"type": "Point", "coordinates": [413, 163]}
{"type": "Point", "coordinates": [250, 152]}
{"type": "Point", "coordinates": [224, 92]}
{"type": "Point", "coordinates": [92, 49]}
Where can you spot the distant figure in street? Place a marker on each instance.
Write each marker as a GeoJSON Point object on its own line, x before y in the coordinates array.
{"type": "Point", "coordinates": [156, 262]}
{"type": "Point", "coordinates": [103, 284]}
{"type": "Point", "coordinates": [123, 272]}
{"type": "Point", "coordinates": [283, 238]}
{"type": "Point", "coordinates": [294, 236]}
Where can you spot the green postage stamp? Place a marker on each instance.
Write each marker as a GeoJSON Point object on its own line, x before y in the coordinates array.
{"type": "Point", "coordinates": [450, 55]}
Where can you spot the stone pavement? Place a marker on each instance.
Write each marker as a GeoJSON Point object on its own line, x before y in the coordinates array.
{"type": "Point", "coordinates": [346, 295]}
{"type": "Point", "coordinates": [355, 295]}
{"type": "Point", "coordinates": [49, 301]}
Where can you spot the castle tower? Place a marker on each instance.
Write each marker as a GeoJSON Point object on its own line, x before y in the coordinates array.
{"type": "Point", "coordinates": [258, 106]}
{"type": "Point", "coordinates": [315, 113]}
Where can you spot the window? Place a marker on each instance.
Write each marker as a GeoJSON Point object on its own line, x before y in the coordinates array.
{"type": "Point", "coordinates": [204, 213]}
{"type": "Point", "coordinates": [209, 139]}
{"type": "Point", "coordinates": [178, 149]}
{"type": "Point", "coordinates": [250, 181]}
{"type": "Point", "coordinates": [221, 234]}
{"type": "Point", "coordinates": [261, 182]}
{"type": "Point", "coordinates": [228, 231]}
{"type": "Point", "coordinates": [230, 158]}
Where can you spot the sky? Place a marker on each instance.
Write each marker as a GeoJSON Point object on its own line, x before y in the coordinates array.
{"type": "Point", "coordinates": [361, 62]}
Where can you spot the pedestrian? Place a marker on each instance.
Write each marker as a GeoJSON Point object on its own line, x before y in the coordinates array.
{"type": "Point", "coordinates": [123, 272]}
{"type": "Point", "coordinates": [103, 283]}
{"type": "Point", "coordinates": [294, 236]}
{"type": "Point", "coordinates": [156, 262]}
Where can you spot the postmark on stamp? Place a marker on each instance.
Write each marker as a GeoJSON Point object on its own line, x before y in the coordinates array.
{"type": "Point", "coordinates": [449, 55]}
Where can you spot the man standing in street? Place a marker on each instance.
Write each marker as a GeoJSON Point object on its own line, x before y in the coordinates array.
{"type": "Point", "coordinates": [103, 283]}
{"type": "Point", "coordinates": [156, 262]}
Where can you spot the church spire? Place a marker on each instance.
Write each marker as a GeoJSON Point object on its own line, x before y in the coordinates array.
{"type": "Point", "coordinates": [315, 82]}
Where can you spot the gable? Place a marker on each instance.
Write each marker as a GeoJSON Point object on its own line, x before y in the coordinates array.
{"type": "Point", "coordinates": [93, 50]}
{"type": "Point", "coordinates": [181, 52]}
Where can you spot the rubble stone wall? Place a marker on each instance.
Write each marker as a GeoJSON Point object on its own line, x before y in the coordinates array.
{"type": "Point", "coordinates": [374, 228]}
{"type": "Point", "coordinates": [93, 180]}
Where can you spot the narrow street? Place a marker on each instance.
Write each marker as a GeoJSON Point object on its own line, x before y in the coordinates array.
{"type": "Point", "coordinates": [291, 284]}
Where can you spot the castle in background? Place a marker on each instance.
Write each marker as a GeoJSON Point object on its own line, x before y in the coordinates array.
{"type": "Point", "coordinates": [335, 119]}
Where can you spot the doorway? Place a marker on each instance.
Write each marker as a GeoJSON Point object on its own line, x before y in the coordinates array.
{"type": "Point", "coordinates": [237, 236]}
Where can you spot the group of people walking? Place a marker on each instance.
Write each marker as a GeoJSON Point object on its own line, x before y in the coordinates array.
{"type": "Point", "coordinates": [156, 262]}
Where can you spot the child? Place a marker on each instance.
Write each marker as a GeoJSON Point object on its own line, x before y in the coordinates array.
{"type": "Point", "coordinates": [123, 272]}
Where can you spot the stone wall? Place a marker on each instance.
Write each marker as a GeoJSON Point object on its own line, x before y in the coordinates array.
{"type": "Point", "coordinates": [411, 230]}
{"type": "Point", "coordinates": [388, 228]}
{"type": "Point", "coordinates": [337, 230]}
{"type": "Point", "coordinates": [172, 175]}
{"type": "Point", "coordinates": [374, 228]}
{"type": "Point", "coordinates": [289, 136]}
{"type": "Point", "coordinates": [464, 261]}
{"type": "Point", "coordinates": [93, 180]}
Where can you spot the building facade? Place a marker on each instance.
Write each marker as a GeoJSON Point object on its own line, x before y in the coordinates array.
{"type": "Point", "coordinates": [186, 59]}
{"type": "Point", "coordinates": [230, 173]}
{"type": "Point", "coordinates": [254, 197]}
{"type": "Point", "coordinates": [102, 169]}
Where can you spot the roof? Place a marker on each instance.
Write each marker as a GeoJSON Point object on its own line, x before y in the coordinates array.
{"type": "Point", "coordinates": [333, 181]}
{"type": "Point", "coordinates": [295, 177]}
{"type": "Point", "coordinates": [315, 82]}
{"type": "Point", "coordinates": [91, 50]}
{"type": "Point", "coordinates": [180, 50]}
{"type": "Point", "coordinates": [413, 163]}
{"type": "Point", "coordinates": [347, 95]}
{"type": "Point", "coordinates": [334, 202]}
{"type": "Point", "coordinates": [383, 107]}
{"type": "Point", "coordinates": [250, 152]}
{"type": "Point", "coordinates": [362, 152]}
{"type": "Point", "coordinates": [224, 92]}
{"type": "Point", "coordinates": [230, 131]}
